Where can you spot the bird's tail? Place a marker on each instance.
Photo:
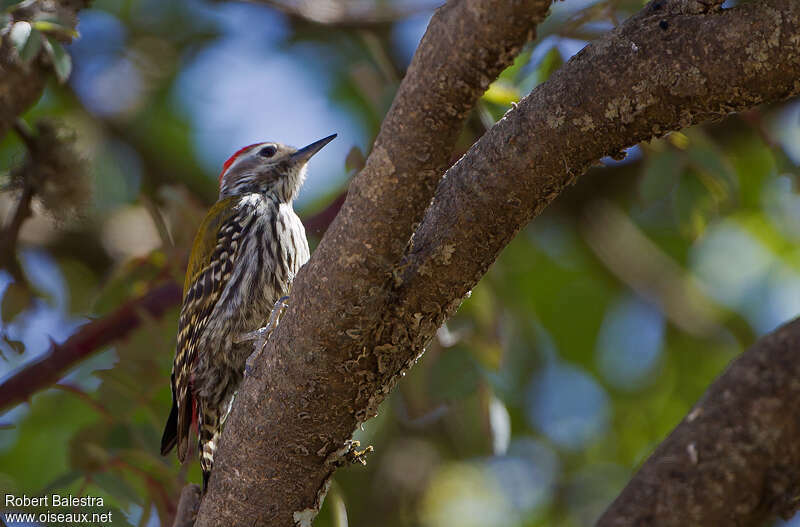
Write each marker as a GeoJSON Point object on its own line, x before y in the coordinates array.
{"type": "Point", "coordinates": [170, 437]}
{"type": "Point", "coordinates": [210, 429]}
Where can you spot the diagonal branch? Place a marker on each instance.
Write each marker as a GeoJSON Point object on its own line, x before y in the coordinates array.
{"type": "Point", "coordinates": [623, 89]}
{"type": "Point", "coordinates": [735, 459]}
{"type": "Point", "coordinates": [356, 321]}
{"type": "Point", "coordinates": [467, 44]}
{"type": "Point", "coordinates": [50, 367]}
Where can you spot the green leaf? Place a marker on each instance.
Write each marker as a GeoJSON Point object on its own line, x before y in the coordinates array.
{"type": "Point", "coordinates": [661, 173]}
{"type": "Point", "coordinates": [511, 72]}
{"type": "Point", "coordinates": [501, 93]}
{"type": "Point", "coordinates": [720, 177]}
{"type": "Point", "coordinates": [692, 205]}
{"type": "Point", "coordinates": [116, 486]}
{"type": "Point", "coordinates": [17, 345]}
{"type": "Point", "coordinates": [17, 298]}
{"type": "Point", "coordinates": [61, 481]}
{"type": "Point", "coordinates": [54, 27]}
{"type": "Point", "coordinates": [19, 34]}
{"type": "Point", "coordinates": [9, 5]}
{"type": "Point", "coordinates": [62, 62]}
{"type": "Point", "coordinates": [32, 47]}
{"type": "Point", "coordinates": [355, 160]}
{"type": "Point", "coordinates": [36, 453]}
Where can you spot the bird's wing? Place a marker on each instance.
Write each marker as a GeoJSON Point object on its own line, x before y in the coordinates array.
{"type": "Point", "coordinates": [210, 268]}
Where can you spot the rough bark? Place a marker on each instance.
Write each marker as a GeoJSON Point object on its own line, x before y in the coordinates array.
{"type": "Point", "coordinates": [187, 507]}
{"type": "Point", "coordinates": [654, 74]}
{"type": "Point", "coordinates": [357, 319]}
{"type": "Point", "coordinates": [314, 376]}
{"type": "Point", "coordinates": [21, 84]}
{"type": "Point", "coordinates": [735, 459]}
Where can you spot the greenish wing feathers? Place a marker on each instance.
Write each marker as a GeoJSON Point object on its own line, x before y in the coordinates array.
{"type": "Point", "coordinates": [210, 268]}
{"type": "Point", "coordinates": [207, 239]}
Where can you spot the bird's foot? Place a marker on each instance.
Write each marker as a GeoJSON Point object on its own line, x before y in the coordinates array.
{"type": "Point", "coordinates": [354, 455]}
{"type": "Point", "coordinates": [261, 335]}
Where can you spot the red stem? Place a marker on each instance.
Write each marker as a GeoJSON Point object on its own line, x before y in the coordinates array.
{"type": "Point", "coordinates": [90, 338]}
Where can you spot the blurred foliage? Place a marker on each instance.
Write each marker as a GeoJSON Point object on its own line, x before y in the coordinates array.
{"type": "Point", "coordinates": [570, 360]}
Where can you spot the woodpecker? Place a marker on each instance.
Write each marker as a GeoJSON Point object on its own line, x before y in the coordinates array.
{"type": "Point", "coordinates": [243, 260]}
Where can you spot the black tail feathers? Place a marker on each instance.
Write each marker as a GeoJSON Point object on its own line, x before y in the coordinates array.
{"type": "Point", "coordinates": [170, 437]}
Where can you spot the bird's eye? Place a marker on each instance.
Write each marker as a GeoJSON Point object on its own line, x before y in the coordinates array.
{"type": "Point", "coordinates": [268, 151]}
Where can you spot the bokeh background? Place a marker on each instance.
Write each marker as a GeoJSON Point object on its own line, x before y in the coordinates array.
{"type": "Point", "coordinates": [590, 338]}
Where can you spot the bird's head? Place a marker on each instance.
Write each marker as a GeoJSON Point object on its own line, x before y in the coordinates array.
{"type": "Point", "coordinates": [268, 168]}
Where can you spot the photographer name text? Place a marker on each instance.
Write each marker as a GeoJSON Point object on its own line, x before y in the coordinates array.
{"type": "Point", "coordinates": [55, 500]}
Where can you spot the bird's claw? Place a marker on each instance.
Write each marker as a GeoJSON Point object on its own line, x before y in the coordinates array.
{"type": "Point", "coordinates": [354, 455]}
{"type": "Point", "coordinates": [261, 335]}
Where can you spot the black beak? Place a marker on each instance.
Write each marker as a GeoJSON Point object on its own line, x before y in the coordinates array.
{"type": "Point", "coordinates": [305, 153]}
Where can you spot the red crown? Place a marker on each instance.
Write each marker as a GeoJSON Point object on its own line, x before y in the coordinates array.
{"type": "Point", "coordinates": [231, 159]}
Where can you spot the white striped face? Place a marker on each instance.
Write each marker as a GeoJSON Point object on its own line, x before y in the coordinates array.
{"type": "Point", "coordinates": [264, 168]}
{"type": "Point", "coordinates": [269, 169]}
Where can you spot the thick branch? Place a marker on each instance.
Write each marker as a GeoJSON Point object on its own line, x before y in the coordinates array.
{"type": "Point", "coordinates": [735, 459]}
{"type": "Point", "coordinates": [22, 84]}
{"type": "Point", "coordinates": [48, 369]}
{"type": "Point", "coordinates": [654, 74]}
{"type": "Point", "coordinates": [187, 506]}
{"type": "Point", "coordinates": [466, 45]}
{"type": "Point", "coordinates": [346, 336]}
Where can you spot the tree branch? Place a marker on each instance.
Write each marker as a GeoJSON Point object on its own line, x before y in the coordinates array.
{"type": "Point", "coordinates": [187, 506]}
{"type": "Point", "coordinates": [10, 233]}
{"type": "Point", "coordinates": [622, 89]}
{"type": "Point", "coordinates": [356, 321]}
{"type": "Point", "coordinates": [316, 375]}
{"type": "Point", "coordinates": [48, 369]}
{"type": "Point", "coordinates": [735, 459]}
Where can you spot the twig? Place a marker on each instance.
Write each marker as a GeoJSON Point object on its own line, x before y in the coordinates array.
{"type": "Point", "coordinates": [85, 397]}
{"type": "Point", "coordinates": [90, 338]}
{"type": "Point", "coordinates": [10, 233]}
{"type": "Point", "coordinates": [187, 506]}
{"type": "Point", "coordinates": [24, 132]}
